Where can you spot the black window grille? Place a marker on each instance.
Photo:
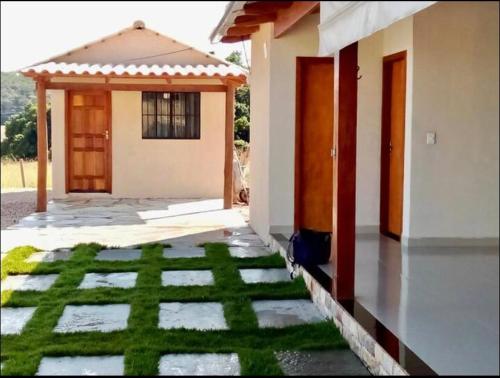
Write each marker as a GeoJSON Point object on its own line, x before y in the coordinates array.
{"type": "Point", "coordinates": [170, 115]}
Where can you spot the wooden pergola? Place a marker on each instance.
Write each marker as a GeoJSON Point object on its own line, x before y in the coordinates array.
{"type": "Point", "coordinates": [44, 81]}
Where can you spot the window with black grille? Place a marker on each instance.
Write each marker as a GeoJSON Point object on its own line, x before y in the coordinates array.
{"type": "Point", "coordinates": [170, 115]}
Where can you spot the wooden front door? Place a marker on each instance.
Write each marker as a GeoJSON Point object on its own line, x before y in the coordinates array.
{"type": "Point", "coordinates": [313, 144]}
{"type": "Point", "coordinates": [88, 142]}
{"type": "Point", "coordinates": [393, 144]}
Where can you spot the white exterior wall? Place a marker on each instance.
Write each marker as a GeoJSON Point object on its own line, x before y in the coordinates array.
{"type": "Point", "coordinates": [371, 50]}
{"type": "Point", "coordinates": [455, 183]}
{"type": "Point", "coordinates": [152, 168]}
{"type": "Point", "coordinates": [272, 80]}
{"type": "Point", "coordinates": [58, 142]}
{"type": "Point", "coordinates": [259, 137]}
{"type": "Point", "coordinates": [301, 40]}
{"type": "Point", "coordinates": [451, 188]}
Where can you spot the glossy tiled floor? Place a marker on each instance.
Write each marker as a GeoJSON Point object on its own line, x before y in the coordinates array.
{"type": "Point", "coordinates": [443, 303]}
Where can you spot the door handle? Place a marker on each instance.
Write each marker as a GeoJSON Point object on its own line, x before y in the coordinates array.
{"type": "Point", "coordinates": [106, 134]}
{"type": "Point", "coordinates": [390, 146]}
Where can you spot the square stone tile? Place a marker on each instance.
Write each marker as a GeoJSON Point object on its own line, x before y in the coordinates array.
{"type": "Point", "coordinates": [250, 276]}
{"type": "Point", "coordinates": [123, 280]}
{"type": "Point", "coordinates": [183, 252]}
{"type": "Point", "coordinates": [13, 319]}
{"type": "Point", "coordinates": [49, 256]}
{"type": "Point", "coordinates": [119, 255]}
{"type": "Point", "coordinates": [87, 318]}
{"type": "Point", "coordinates": [323, 363]}
{"type": "Point", "coordinates": [82, 365]}
{"type": "Point", "coordinates": [200, 364]}
{"type": "Point", "coordinates": [245, 241]}
{"type": "Point", "coordinates": [284, 313]}
{"type": "Point", "coordinates": [245, 252]}
{"type": "Point", "coordinates": [187, 277]}
{"type": "Point", "coordinates": [200, 316]}
{"type": "Point", "coordinates": [249, 240]}
{"type": "Point", "coordinates": [25, 282]}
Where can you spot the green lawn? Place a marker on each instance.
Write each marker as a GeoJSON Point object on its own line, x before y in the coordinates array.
{"type": "Point", "coordinates": [142, 343]}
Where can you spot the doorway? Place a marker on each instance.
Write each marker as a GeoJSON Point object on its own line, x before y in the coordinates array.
{"type": "Point", "coordinates": [393, 144]}
{"type": "Point", "coordinates": [88, 133]}
{"type": "Point", "coordinates": [314, 144]}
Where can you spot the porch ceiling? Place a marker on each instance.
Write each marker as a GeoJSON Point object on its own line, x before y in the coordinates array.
{"type": "Point", "coordinates": [243, 18]}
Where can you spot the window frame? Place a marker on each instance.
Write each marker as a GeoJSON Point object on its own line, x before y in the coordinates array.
{"type": "Point", "coordinates": [171, 115]}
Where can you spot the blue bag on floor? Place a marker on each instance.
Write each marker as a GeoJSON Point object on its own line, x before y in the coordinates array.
{"type": "Point", "coordinates": [309, 248]}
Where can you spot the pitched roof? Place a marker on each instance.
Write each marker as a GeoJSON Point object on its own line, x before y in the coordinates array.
{"type": "Point", "coordinates": [136, 51]}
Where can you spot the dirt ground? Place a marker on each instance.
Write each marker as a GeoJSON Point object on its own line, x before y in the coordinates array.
{"type": "Point", "coordinates": [17, 204]}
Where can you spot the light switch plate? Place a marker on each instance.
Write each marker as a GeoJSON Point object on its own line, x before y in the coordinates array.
{"type": "Point", "coordinates": [431, 138]}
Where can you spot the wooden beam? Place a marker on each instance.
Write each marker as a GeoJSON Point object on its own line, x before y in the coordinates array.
{"type": "Point", "coordinates": [227, 39]}
{"type": "Point", "coordinates": [228, 147]}
{"type": "Point", "coordinates": [138, 87]}
{"type": "Point", "coordinates": [251, 20]}
{"type": "Point", "coordinates": [41, 138]}
{"type": "Point", "coordinates": [48, 76]}
{"type": "Point", "coordinates": [288, 17]}
{"type": "Point", "coordinates": [344, 171]}
{"type": "Point", "coordinates": [263, 7]}
{"type": "Point", "coordinates": [237, 31]}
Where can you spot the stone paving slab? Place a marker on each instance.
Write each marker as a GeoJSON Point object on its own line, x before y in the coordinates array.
{"type": "Point", "coordinates": [251, 276]}
{"type": "Point", "coordinates": [119, 255]}
{"type": "Point", "coordinates": [323, 363]}
{"type": "Point", "coordinates": [200, 316]}
{"type": "Point", "coordinates": [13, 319]}
{"type": "Point", "coordinates": [47, 256]}
{"type": "Point", "coordinates": [87, 318]}
{"type": "Point", "coordinates": [200, 364]}
{"type": "Point", "coordinates": [125, 280]}
{"type": "Point", "coordinates": [284, 313]}
{"type": "Point", "coordinates": [183, 252]}
{"type": "Point", "coordinates": [82, 365]}
{"type": "Point", "coordinates": [247, 240]}
{"type": "Point", "coordinates": [187, 277]}
{"type": "Point", "coordinates": [25, 282]}
{"type": "Point", "coordinates": [248, 252]}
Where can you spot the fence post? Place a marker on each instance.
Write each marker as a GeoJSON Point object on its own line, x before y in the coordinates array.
{"type": "Point", "coordinates": [22, 172]}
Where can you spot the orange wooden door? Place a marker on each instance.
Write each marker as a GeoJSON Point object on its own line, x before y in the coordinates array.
{"type": "Point", "coordinates": [313, 144]}
{"type": "Point", "coordinates": [89, 142]}
{"type": "Point", "coordinates": [393, 144]}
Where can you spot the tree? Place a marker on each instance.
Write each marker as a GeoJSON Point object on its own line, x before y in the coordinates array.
{"type": "Point", "coordinates": [21, 134]}
{"type": "Point", "coordinates": [242, 104]}
{"type": "Point", "coordinates": [16, 92]}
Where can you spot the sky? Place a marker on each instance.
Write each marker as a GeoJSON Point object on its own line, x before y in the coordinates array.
{"type": "Point", "coordinates": [34, 31]}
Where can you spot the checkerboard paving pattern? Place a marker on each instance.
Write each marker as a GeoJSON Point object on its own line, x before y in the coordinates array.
{"type": "Point", "coordinates": [167, 311]}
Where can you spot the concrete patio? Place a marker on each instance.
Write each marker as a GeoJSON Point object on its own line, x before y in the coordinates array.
{"type": "Point", "coordinates": [124, 222]}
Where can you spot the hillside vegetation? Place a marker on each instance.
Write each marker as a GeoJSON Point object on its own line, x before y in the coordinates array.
{"type": "Point", "coordinates": [17, 91]}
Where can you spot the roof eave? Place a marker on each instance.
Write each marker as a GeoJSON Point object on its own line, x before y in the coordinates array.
{"type": "Point", "coordinates": [231, 12]}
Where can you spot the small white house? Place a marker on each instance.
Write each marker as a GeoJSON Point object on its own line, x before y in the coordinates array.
{"type": "Point", "coordinates": [138, 115]}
